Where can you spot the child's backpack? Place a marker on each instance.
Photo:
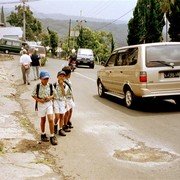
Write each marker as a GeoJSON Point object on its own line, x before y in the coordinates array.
{"type": "Point", "coordinates": [37, 93]}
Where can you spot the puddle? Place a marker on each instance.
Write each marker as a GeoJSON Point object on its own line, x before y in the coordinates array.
{"type": "Point", "coordinates": [144, 154]}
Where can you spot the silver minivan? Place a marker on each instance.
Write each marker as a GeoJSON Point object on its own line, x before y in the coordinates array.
{"type": "Point", "coordinates": [142, 71]}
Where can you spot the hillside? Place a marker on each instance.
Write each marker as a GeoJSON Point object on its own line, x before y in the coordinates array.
{"type": "Point", "coordinates": [119, 31]}
{"type": "Point", "coordinates": [60, 24]}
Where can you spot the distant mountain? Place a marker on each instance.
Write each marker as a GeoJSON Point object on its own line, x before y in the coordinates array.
{"type": "Point", "coordinates": [60, 24]}
{"type": "Point", "coordinates": [59, 16]}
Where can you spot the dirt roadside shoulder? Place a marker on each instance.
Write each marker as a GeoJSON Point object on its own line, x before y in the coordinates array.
{"type": "Point", "coordinates": [22, 156]}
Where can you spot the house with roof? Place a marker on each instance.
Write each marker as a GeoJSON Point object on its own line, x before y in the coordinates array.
{"type": "Point", "coordinates": [8, 32]}
{"type": "Point", "coordinates": [11, 32]}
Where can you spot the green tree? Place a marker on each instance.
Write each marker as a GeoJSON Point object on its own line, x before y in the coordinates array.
{"type": "Point", "coordinates": [165, 5]}
{"type": "Point", "coordinates": [135, 27]}
{"type": "Point", "coordinates": [147, 23]}
{"type": "Point", "coordinates": [173, 16]}
{"type": "Point", "coordinates": [33, 26]}
{"type": "Point", "coordinates": [112, 42]}
{"type": "Point", "coordinates": [45, 39]}
{"type": "Point", "coordinates": [3, 21]}
{"type": "Point", "coordinates": [54, 39]}
{"type": "Point", "coordinates": [99, 41]}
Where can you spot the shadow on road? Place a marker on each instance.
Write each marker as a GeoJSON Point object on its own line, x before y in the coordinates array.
{"type": "Point", "coordinates": [150, 105]}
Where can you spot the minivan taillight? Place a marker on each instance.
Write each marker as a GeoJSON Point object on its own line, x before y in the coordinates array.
{"type": "Point", "coordinates": [143, 76]}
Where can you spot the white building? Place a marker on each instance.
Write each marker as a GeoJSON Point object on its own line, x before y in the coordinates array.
{"type": "Point", "coordinates": [11, 32]}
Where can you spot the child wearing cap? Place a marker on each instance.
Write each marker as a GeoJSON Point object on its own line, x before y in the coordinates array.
{"type": "Point", "coordinates": [59, 103]}
{"type": "Point", "coordinates": [43, 94]}
{"type": "Point", "coordinates": [69, 99]}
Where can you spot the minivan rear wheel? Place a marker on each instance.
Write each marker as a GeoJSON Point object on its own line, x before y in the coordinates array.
{"type": "Point", "coordinates": [101, 90]}
{"type": "Point", "coordinates": [129, 98]}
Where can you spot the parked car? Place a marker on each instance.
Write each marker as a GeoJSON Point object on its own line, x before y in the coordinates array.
{"type": "Point", "coordinates": [8, 45]}
{"type": "Point", "coordinates": [142, 71]}
{"type": "Point", "coordinates": [85, 57]}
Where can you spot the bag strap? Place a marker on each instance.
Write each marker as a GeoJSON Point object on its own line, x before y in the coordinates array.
{"type": "Point", "coordinates": [68, 85]}
{"type": "Point", "coordinates": [51, 89]}
{"type": "Point", "coordinates": [55, 85]}
{"type": "Point", "coordinates": [37, 94]}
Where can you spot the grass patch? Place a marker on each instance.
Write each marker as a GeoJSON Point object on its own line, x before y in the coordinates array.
{"type": "Point", "coordinates": [47, 161]}
{"type": "Point", "coordinates": [1, 147]}
{"type": "Point", "coordinates": [6, 57]}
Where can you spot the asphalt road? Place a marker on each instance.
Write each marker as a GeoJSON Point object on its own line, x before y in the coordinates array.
{"type": "Point", "coordinates": [108, 140]}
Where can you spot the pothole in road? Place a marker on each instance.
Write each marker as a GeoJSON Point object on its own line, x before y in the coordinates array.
{"type": "Point", "coordinates": [144, 154]}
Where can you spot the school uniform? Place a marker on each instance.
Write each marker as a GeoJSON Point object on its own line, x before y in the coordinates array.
{"type": "Point", "coordinates": [59, 99]}
{"type": "Point", "coordinates": [47, 107]}
{"type": "Point", "coordinates": [69, 95]}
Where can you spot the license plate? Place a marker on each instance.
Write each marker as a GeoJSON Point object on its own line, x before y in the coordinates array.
{"type": "Point", "coordinates": [174, 74]}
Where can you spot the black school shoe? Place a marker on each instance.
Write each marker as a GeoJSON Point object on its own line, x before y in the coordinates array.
{"type": "Point", "coordinates": [53, 140]}
{"type": "Point", "coordinates": [62, 133]}
{"type": "Point", "coordinates": [55, 129]}
{"type": "Point", "coordinates": [44, 138]}
{"type": "Point", "coordinates": [66, 128]}
{"type": "Point", "coordinates": [69, 124]}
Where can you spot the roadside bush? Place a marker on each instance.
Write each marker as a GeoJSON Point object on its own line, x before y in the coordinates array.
{"type": "Point", "coordinates": [43, 61]}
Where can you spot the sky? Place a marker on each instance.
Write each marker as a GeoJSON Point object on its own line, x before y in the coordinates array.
{"type": "Point", "coordinates": [100, 9]}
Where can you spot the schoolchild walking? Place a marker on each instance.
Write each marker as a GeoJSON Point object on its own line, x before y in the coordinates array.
{"type": "Point", "coordinates": [69, 99]}
{"type": "Point", "coordinates": [43, 94]}
{"type": "Point", "coordinates": [59, 103]}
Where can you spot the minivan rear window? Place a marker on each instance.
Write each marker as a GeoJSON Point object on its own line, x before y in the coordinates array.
{"type": "Point", "coordinates": [165, 55]}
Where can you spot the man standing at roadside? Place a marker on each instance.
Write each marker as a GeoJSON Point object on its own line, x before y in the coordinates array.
{"type": "Point", "coordinates": [25, 62]}
{"type": "Point", "coordinates": [35, 63]}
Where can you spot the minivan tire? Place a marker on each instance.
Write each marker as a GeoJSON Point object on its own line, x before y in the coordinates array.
{"type": "Point", "coordinates": [101, 90]}
{"type": "Point", "coordinates": [129, 98]}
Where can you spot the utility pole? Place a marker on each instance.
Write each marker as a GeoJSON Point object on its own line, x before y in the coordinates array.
{"type": "Point", "coordinates": [3, 21]}
{"type": "Point", "coordinates": [69, 34]}
{"type": "Point", "coordinates": [24, 19]}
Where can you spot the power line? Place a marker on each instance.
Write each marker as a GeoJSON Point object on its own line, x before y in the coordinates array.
{"type": "Point", "coordinates": [108, 3]}
{"type": "Point", "coordinates": [95, 7]}
{"type": "Point", "coordinates": [17, 1]}
{"type": "Point", "coordinates": [98, 7]}
{"type": "Point", "coordinates": [115, 20]}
